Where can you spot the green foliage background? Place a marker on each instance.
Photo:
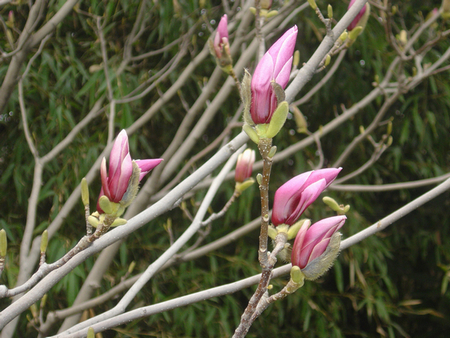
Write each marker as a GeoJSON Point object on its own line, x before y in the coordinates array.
{"type": "Point", "coordinates": [393, 284]}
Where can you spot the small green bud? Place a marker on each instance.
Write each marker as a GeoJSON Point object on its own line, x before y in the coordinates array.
{"type": "Point", "coordinates": [43, 301]}
{"type": "Point", "coordinates": [293, 230]}
{"type": "Point", "coordinates": [346, 209]}
{"type": "Point", "coordinates": [271, 14]}
{"type": "Point", "coordinates": [327, 60]}
{"type": "Point", "coordinates": [344, 36]}
{"type": "Point", "coordinates": [394, 10]}
{"type": "Point", "coordinates": [84, 191]}
{"type": "Point", "coordinates": [278, 119]}
{"type": "Point", "coordinates": [389, 128]}
{"type": "Point", "coordinates": [402, 37]}
{"type": "Point", "coordinates": [330, 12]}
{"type": "Point", "coordinates": [331, 203]}
{"type": "Point", "coordinates": [361, 129]}
{"type": "Point", "coordinates": [44, 241]}
{"type": "Point", "coordinates": [90, 333]}
{"type": "Point", "coordinates": [259, 179]}
{"type": "Point", "coordinates": [297, 276]}
{"type": "Point", "coordinates": [272, 152]}
{"type": "Point", "coordinates": [354, 33]}
{"type": "Point", "coordinates": [313, 4]}
{"type": "Point", "coordinates": [131, 267]}
{"type": "Point", "coordinates": [3, 243]}
{"type": "Point", "coordinates": [296, 59]}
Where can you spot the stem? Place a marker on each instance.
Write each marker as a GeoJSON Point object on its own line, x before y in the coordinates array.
{"type": "Point", "coordinates": [264, 146]}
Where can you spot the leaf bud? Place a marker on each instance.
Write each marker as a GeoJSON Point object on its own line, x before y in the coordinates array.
{"type": "Point", "coordinates": [44, 241]}
{"type": "Point", "coordinates": [84, 191]}
{"type": "Point", "coordinates": [3, 243]}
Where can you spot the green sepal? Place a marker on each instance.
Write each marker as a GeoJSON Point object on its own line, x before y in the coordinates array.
{"type": "Point", "coordinates": [251, 133]}
{"type": "Point", "coordinates": [133, 188]}
{"type": "Point", "coordinates": [353, 34]}
{"type": "Point", "coordinates": [105, 204]}
{"type": "Point", "coordinates": [272, 232]}
{"type": "Point", "coordinates": [93, 221]}
{"type": "Point", "coordinates": [242, 186]}
{"type": "Point", "coordinates": [278, 119]}
{"type": "Point", "coordinates": [321, 264]}
{"type": "Point", "coordinates": [294, 229]}
{"type": "Point", "coordinates": [118, 222]}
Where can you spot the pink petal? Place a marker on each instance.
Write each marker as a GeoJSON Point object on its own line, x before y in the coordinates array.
{"type": "Point", "coordinates": [147, 165]}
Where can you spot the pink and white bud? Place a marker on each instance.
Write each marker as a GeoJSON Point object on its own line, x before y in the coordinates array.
{"type": "Point", "coordinates": [115, 181]}
{"type": "Point", "coordinates": [312, 241]}
{"type": "Point", "coordinates": [275, 66]}
{"type": "Point", "coordinates": [221, 38]}
{"type": "Point", "coordinates": [293, 197]}
{"type": "Point", "coordinates": [244, 165]}
{"type": "Point", "coordinates": [358, 20]}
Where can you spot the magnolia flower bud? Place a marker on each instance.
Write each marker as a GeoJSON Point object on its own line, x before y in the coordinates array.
{"type": "Point", "coordinates": [361, 18]}
{"type": "Point", "coordinates": [293, 197]}
{"type": "Point", "coordinates": [117, 181]}
{"type": "Point", "coordinates": [275, 66]}
{"type": "Point", "coordinates": [317, 246]}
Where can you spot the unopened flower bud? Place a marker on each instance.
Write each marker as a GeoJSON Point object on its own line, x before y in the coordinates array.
{"type": "Point", "coordinates": [293, 197]}
{"type": "Point", "coordinates": [244, 165]}
{"type": "Point", "coordinates": [316, 247]}
{"type": "Point", "coordinates": [361, 18]}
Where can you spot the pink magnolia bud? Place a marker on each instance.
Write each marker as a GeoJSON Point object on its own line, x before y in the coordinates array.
{"type": "Point", "coordinates": [312, 241]}
{"type": "Point", "coordinates": [275, 65]}
{"type": "Point", "coordinates": [293, 197]}
{"type": "Point", "coordinates": [221, 37]}
{"type": "Point", "coordinates": [115, 182]}
{"type": "Point", "coordinates": [357, 19]}
{"type": "Point", "coordinates": [244, 165]}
